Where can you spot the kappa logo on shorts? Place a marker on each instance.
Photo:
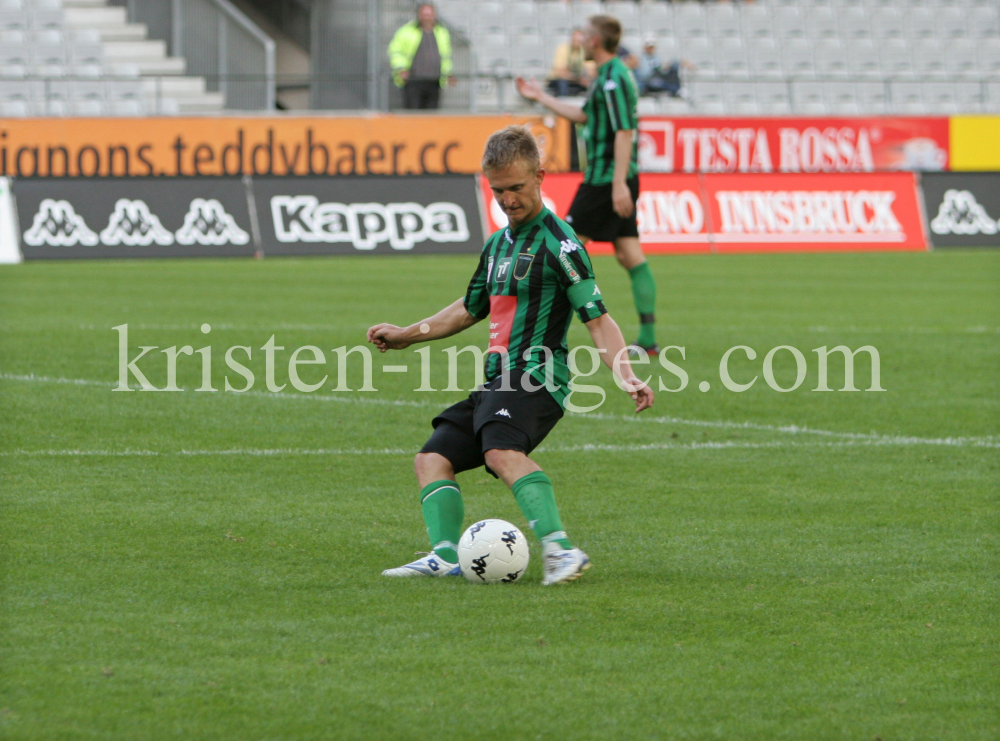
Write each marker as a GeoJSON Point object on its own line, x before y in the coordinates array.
{"type": "Point", "coordinates": [503, 413]}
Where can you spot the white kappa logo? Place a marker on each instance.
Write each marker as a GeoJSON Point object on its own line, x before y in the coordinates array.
{"type": "Point", "coordinates": [57, 224]}
{"type": "Point", "coordinates": [503, 413]}
{"type": "Point", "coordinates": [567, 245]}
{"type": "Point", "coordinates": [207, 222]}
{"type": "Point", "coordinates": [961, 213]}
{"type": "Point", "coordinates": [134, 224]}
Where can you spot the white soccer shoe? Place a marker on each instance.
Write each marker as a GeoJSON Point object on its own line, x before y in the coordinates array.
{"type": "Point", "coordinates": [563, 566]}
{"type": "Point", "coordinates": [429, 565]}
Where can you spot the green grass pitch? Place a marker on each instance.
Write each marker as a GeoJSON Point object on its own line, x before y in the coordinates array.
{"type": "Point", "coordinates": [799, 565]}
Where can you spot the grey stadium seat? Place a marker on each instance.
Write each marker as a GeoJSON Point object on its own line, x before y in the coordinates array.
{"type": "Point", "coordinates": [522, 20]}
{"type": "Point", "coordinates": [741, 99]}
{"type": "Point", "coordinates": [872, 97]}
{"type": "Point", "coordinates": [984, 22]}
{"type": "Point", "coordinates": [723, 21]}
{"type": "Point", "coordinates": [701, 54]}
{"type": "Point", "coordinates": [989, 56]}
{"type": "Point", "coordinates": [896, 58]}
{"type": "Point", "coordinates": [658, 19]}
{"type": "Point", "coordinates": [709, 98]}
{"type": "Point", "coordinates": [961, 59]}
{"type": "Point", "coordinates": [993, 97]}
{"type": "Point", "coordinates": [831, 59]}
{"type": "Point", "coordinates": [941, 98]}
{"type": "Point", "coordinates": [921, 23]}
{"type": "Point", "coordinates": [928, 58]}
{"type": "Point", "coordinates": [970, 97]}
{"type": "Point", "coordinates": [773, 98]}
{"type": "Point", "coordinates": [627, 14]}
{"type": "Point", "coordinates": [789, 23]}
{"type": "Point", "coordinates": [807, 98]}
{"type": "Point", "coordinates": [950, 23]}
{"type": "Point", "coordinates": [797, 58]}
{"type": "Point", "coordinates": [887, 23]}
{"type": "Point", "coordinates": [757, 23]}
{"type": "Point", "coordinates": [488, 19]}
{"type": "Point", "coordinates": [907, 97]}
{"type": "Point", "coordinates": [731, 58]}
{"type": "Point", "coordinates": [765, 59]}
{"type": "Point", "coordinates": [842, 98]}
{"type": "Point", "coordinates": [864, 59]}
{"type": "Point", "coordinates": [854, 24]}
{"type": "Point", "coordinates": [823, 23]}
{"type": "Point", "coordinates": [583, 10]}
{"type": "Point", "coordinates": [530, 57]}
{"type": "Point", "coordinates": [554, 19]}
{"type": "Point", "coordinates": [689, 22]}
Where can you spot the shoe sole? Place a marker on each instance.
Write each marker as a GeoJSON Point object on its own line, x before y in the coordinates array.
{"type": "Point", "coordinates": [568, 579]}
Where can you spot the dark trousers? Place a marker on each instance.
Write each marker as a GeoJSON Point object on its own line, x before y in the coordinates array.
{"type": "Point", "coordinates": [421, 93]}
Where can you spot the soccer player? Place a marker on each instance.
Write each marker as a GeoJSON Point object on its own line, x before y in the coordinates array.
{"type": "Point", "coordinates": [604, 206]}
{"type": "Point", "coordinates": [531, 278]}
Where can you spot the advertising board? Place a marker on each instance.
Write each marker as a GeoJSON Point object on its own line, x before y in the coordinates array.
{"type": "Point", "coordinates": [963, 209]}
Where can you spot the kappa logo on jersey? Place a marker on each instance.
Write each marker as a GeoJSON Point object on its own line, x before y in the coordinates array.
{"type": "Point", "coordinates": [610, 85]}
{"type": "Point", "coordinates": [961, 213]}
{"type": "Point", "coordinates": [597, 291]}
{"type": "Point", "coordinates": [57, 224]}
{"type": "Point", "coordinates": [207, 222]}
{"type": "Point", "coordinates": [503, 413]}
{"type": "Point", "coordinates": [133, 224]}
{"type": "Point", "coordinates": [366, 225]}
{"type": "Point", "coordinates": [567, 245]}
{"type": "Point", "coordinates": [506, 235]}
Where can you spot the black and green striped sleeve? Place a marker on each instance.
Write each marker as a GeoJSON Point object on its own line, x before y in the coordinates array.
{"type": "Point", "coordinates": [619, 97]}
{"type": "Point", "coordinates": [477, 297]}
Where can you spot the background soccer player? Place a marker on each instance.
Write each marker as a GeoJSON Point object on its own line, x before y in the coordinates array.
{"type": "Point", "coordinates": [531, 277]}
{"type": "Point", "coordinates": [604, 206]}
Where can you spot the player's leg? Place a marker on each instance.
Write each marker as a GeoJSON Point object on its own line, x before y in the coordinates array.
{"type": "Point", "coordinates": [629, 254]}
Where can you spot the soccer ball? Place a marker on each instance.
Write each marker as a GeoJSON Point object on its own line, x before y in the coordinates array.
{"type": "Point", "coordinates": [493, 551]}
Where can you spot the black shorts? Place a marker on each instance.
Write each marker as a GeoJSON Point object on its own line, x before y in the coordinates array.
{"type": "Point", "coordinates": [491, 419]}
{"type": "Point", "coordinates": [592, 214]}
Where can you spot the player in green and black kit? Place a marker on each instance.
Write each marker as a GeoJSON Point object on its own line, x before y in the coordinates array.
{"type": "Point", "coordinates": [604, 206]}
{"type": "Point", "coordinates": [532, 276]}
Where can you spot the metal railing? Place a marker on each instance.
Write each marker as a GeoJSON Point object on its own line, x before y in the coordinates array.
{"type": "Point", "coordinates": [218, 43]}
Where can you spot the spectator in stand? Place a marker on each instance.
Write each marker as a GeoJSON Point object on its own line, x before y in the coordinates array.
{"type": "Point", "coordinates": [571, 73]}
{"type": "Point", "coordinates": [420, 56]}
{"type": "Point", "coordinates": [629, 59]}
{"type": "Point", "coordinates": [651, 75]}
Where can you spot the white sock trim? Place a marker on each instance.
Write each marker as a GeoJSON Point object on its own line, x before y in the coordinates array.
{"type": "Point", "coordinates": [446, 486]}
{"type": "Point", "coordinates": [552, 537]}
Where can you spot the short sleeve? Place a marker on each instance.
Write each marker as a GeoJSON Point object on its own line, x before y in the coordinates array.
{"type": "Point", "coordinates": [477, 297]}
{"type": "Point", "coordinates": [620, 101]}
{"type": "Point", "coordinates": [576, 276]}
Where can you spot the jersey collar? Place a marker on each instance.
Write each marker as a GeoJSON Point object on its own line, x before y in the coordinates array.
{"type": "Point", "coordinates": [539, 217]}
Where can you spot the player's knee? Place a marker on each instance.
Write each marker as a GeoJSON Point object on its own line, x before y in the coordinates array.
{"type": "Point", "coordinates": [502, 461]}
{"type": "Point", "coordinates": [432, 466]}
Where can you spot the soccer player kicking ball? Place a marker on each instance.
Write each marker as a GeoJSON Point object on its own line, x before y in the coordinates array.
{"type": "Point", "coordinates": [604, 206]}
{"type": "Point", "coordinates": [531, 277]}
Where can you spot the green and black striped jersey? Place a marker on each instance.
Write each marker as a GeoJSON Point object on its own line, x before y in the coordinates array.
{"type": "Point", "coordinates": [612, 105]}
{"type": "Point", "coordinates": [529, 281]}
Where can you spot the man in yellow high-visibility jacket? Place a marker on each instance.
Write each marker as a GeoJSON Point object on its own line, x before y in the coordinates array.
{"type": "Point", "coordinates": [420, 55]}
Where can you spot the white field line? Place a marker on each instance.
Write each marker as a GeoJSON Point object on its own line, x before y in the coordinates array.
{"type": "Point", "coordinates": [989, 441]}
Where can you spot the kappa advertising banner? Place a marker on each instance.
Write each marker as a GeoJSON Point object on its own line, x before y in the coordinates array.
{"type": "Point", "coordinates": [133, 217]}
{"type": "Point", "coordinates": [760, 213]}
{"type": "Point", "coordinates": [264, 145]}
{"type": "Point", "coordinates": [814, 145]}
{"type": "Point", "coordinates": [963, 209]}
{"type": "Point", "coordinates": [313, 216]}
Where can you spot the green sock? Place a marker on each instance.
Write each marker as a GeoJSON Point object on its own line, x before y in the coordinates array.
{"type": "Point", "coordinates": [444, 511]}
{"type": "Point", "coordinates": [644, 295]}
{"type": "Point", "coordinates": [537, 501]}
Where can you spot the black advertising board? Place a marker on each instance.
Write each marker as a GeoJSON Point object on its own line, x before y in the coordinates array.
{"type": "Point", "coordinates": [368, 215]}
{"type": "Point", "coordinates": [963, 208]}
{"type": "Point", "coordinates": [133, 217]}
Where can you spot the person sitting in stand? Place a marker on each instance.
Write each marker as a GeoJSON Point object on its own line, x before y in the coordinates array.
{"type": "Point", "coordinates": [571, 73]}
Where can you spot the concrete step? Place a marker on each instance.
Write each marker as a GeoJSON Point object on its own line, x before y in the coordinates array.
{"type": "Point", "coordinates": [129, 51]}
{"type": "Point", "coordinates": [84, 3]}
{"type": "Point", "coordinates": [95, 17]}
{"type": "Point", "coordinates": [128, 32]}
{"type": "Point", "coordinates": [206, 103]}
{"type": "Point", "coordinates": [173, 87]}
{"type": "Point", "coordinates": [165, 66]}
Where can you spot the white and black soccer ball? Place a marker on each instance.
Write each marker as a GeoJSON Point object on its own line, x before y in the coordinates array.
{"type": "Point", "coordinates": [493, 551]}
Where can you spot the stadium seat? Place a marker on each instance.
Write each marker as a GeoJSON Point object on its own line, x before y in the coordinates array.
{"type": "Point", "coordinates": [741, 99]}
{"type": "Point", "coordinates": [627, 13]}
{"type": "Point", "coordinates": [493, 56]}
{"type": "Point", "coordinates": [701, 53]}
{"type": "Point", "coordinates": [872, 97]}
{"type": "Point", "coordinates": [984, 22]}
{"type": "Point", "coordinates": [521, 20]}
{"type": "Point", "coordinates": [961, 58]}
{"type": "Point", "coordinates": [765, 59]}
{"type": "Point", "coordinates": [907, 97]}
{"type": "Point", "coordinates": [797, 59]}
{"type": "Point", "coordinates": [921, 23]}
{"type": "Point", "coordinates": [823, 23]}
{"type": "Point", "coordinates": [941, 98]}
{"type": "Point", "coordinates": [670, 106]}
{"type": "Point", "coordinates": [831, 58]}
{"type": "Point", "coordinates": [584, 10]}
{"type": "Point", "coordinates": [929, 58]}
{"type": "Point", "coordinates": [658, 19]}
{"type": "Point", "coordinates": [731, 59]}
{"type": "Point", "coordinates": [950, 23]}
{"type": "Point", "coordinates": [841, 98]}
{"type": "Point", "coordinates": [709, 98]}
{"type": "Point", "coordinates": [488, 20]}
{"type": "Point", "coordinates": [773, 98]}
{"type": "Point", "coordinates": [807, 98]}
{"type": "Point", "coordinates": [554, 19]}
{"type": "Point", "coordinates": [647, 107]}
{"type": "Point", "coordinates": [756, 23]}
{"type": "Point", "coordinates": [854, 24]}
{"type": "Point", "coordinates": [689, 22]}
{"type": "Point", "coordinates": [789, 23]}
{"type": "Point", "coordinates": [895, 58]}
{"type": "Point", "coordinates": [887, 23]}
{"type": "Point", "coordinates": [989, 56]}
{"type": "Point", "coordinates": [723, 21]}
{"type": "Point", "coordinates": [993, 97]}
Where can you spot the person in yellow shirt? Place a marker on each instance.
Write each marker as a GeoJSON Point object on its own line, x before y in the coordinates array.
{"type": "Point", "coordinates": [420, 56]}
{"type": "Point", "coordinates": [571, 73]}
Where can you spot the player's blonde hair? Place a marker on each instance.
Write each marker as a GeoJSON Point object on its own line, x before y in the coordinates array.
{"type": "Point", "coordinates": [510, 145]}
{"type": "Point", "coordinates": [608, 30]}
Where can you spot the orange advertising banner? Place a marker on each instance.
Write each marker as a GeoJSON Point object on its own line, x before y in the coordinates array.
{"type": "Point", "coordinates": [267, 145]}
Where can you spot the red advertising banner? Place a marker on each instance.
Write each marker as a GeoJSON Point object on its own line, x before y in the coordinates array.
{"type": "Point", "coordinates": [793, 144]}
{"type": "Point", "coordinates": [758, 212]}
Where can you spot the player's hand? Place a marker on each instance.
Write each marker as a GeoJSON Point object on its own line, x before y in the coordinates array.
{"type": "Point", "coordinates": [388, 337]}
{"type": "Point", "coordinates": [530, 89]}
{"type": "Point", "coordinates": [641, 393]}
{"type": "Point", "coordinates": [621, 199]}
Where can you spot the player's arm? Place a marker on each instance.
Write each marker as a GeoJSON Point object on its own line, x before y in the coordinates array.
{"type": "Point", "coordinates": [532, 90]}
{"type": "Point", "coordinates": [610, 344]}
{"type": "Point", "coordinates": [452, 319]}
{"type": "Point", "coordinates": [621, 196]}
